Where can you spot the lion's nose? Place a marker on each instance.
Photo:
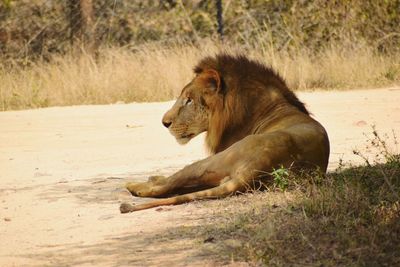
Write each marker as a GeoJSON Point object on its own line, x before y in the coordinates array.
{"type": "Point", "coordinates": [167, 123]}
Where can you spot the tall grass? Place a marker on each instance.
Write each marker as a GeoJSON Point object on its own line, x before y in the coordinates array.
{"type": "Point", "coordinates": [157, 73]}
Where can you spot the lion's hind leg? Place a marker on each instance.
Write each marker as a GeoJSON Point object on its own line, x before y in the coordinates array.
{"type": "Point", "coordinates": [227, 188]}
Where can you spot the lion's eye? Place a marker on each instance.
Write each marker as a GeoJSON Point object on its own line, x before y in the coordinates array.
{"type": "Point", "coordinates": [188, 101]}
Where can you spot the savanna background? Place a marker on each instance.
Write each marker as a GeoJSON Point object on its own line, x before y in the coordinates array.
{"type": "Point", "coordinates": [83, 52]}
{"type": "Point", "coordinates": [105, 51]}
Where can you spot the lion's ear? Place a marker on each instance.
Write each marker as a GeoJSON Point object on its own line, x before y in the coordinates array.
{"type": "Point", "coordinates": [212, 79]}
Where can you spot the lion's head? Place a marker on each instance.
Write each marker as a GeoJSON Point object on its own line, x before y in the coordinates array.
{"type": "Point", "coordinates": [228, 98]}
{"type": "Point", "coordinates": [190, 114]}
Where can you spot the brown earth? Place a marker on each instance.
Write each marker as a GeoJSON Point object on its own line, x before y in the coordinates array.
{"type": "Point", "coordinates": [62, 172]}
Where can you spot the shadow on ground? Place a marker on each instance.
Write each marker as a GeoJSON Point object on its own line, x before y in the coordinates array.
{"type": "Point", "coordinates": [102, 189]}
{"type": "Point", "coordinates": [174, 246]}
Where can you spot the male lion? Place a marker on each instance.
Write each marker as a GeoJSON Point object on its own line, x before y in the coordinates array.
{"type": "Point", "coordinates": [254, 124]}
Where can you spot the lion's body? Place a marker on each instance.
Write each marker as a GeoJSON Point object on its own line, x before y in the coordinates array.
{"type": "Point", "coordinates": [254, 124]}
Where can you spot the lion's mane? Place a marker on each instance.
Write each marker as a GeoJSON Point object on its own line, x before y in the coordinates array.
{"type": "Point", "coordinates": [243, 83]}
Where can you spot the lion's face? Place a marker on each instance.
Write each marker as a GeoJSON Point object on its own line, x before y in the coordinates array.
{"type": "Point", "coordinates": [190, 114]}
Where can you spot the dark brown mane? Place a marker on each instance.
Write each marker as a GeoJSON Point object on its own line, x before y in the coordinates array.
{"type": "Point", "coordinates": [246, 88]}
{"type": "Point", "coordinates": [246, 69]}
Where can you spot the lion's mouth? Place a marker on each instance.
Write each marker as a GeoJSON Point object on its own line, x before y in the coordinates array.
{"type": "Point", "coordinates": [185, 138]}
{"type": "Point", "coordinates": [189, 136]}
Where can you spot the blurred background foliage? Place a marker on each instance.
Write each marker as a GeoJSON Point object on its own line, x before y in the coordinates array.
{"type": "Point", "coordinates": [36, 29]}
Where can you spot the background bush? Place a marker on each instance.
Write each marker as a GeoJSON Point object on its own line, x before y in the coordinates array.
{"type": "Point", "coordinates": [144, 50]}
{"type": "Point", "coordinates": [38, 28]}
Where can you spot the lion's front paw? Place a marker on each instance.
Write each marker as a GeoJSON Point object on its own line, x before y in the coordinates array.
{"type": "Point", "coordinates": [146, 189]}
{"type": "Point", "coordinates": [137, 189]}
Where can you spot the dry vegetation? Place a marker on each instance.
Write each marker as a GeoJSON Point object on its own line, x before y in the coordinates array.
{"type": "Point", "coordinates": [147, 48]}
{"type": "Point", "coordinates": [156, 73]}
{"type": "Point", "coordinates": [351, 217]}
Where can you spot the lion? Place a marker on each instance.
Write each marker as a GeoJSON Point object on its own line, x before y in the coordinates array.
{"type": "Point", "coordinates": [253, 123]}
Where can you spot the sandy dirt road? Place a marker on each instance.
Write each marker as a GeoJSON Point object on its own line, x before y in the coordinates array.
{"type": "Point", "coordinates": [62, 172]}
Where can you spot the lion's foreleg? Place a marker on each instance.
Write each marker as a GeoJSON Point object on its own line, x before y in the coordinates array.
{"type": "Point", "coordinates": [229, 187]}
{"type": "Point", "coordinates": [198, 174]}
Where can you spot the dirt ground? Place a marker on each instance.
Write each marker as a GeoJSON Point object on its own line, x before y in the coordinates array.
{"type": "Point", "coordinates": [63, 171]}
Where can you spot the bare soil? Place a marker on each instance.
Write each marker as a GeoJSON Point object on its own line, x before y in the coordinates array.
{"type": "Point", "coordinates": [63, 172]}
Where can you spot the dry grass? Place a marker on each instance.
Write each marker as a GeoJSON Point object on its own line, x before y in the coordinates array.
{"type": "Point", "coordinates": [154, 73]}
{"type": "Point", "coordinates": [150, 74]}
